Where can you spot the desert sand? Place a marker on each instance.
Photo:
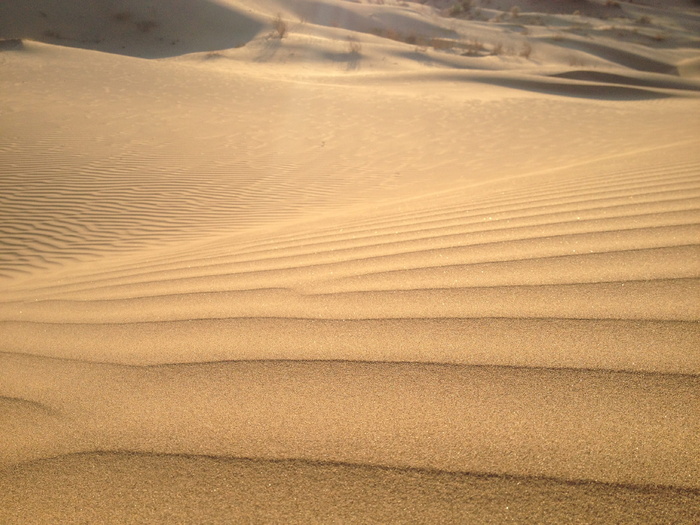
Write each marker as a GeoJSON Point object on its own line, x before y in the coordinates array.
{"type": "Point", "coordinates": [333, 261]}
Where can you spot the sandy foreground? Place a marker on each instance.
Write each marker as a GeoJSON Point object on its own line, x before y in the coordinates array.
{"type": "Point", "coordinates": [330, 261]}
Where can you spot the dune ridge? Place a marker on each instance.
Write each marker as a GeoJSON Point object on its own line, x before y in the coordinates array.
{"type": "Point", "coordinates": [325, 261]}
{"type": "Point", "coordinates": [346, 492]}
{"type": "Point", "coordinates": [391, 414]}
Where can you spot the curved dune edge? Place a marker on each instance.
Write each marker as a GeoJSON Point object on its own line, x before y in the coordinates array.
{"type": "Point", "coordinates": [607, 344]}
{"type": "Point", "coordinates": [457, 252]}
{"type": "Point", "coordinates": [119, 487]}
{"type": "Point", "coordinates": [612, 427]}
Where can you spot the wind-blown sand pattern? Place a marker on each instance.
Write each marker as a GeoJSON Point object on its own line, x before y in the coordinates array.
{"type": "Point", "coordinates": [396, 266]}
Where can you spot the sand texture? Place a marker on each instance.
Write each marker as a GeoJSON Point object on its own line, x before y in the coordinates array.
{"type": "Point", "coordinates": [330, 261]}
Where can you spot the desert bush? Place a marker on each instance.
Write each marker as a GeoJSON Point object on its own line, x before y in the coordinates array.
{"type": "Point", "coordinates": [279, 27]}
{"type": "Point", "coordinates": [644, 20]}
{"type": "Point", "coordinates": [515, 11]}
{"type": "Point", "coordinates": [525, 50]}
{"type": "Point", "coordinates": [441, 44]}
{"type": "Point", "coordinates": [473, 47]}
{"type": "Point", "coordinates": [497, 49]}
{"type": "Point", "coordinates": [354, 46]}
{"type": "Point", "coordinates": [462, 6]}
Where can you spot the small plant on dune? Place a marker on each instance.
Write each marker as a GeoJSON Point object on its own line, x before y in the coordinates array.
{"type": "Point", "coordinates": [279, 27]}
{"type": "Point", "coordinates": [514, 11]}
{"type": "Point", "coordinates": [460, 7]}
{"type": "Point", "coordinates": [497, 49]}
{"type": "Point", "coordinates": [354, 46]}
{"type": "Point", "coordinates": [644, 20]}
{"type": "Point", "coordinates": [473, 47]}
{"type": "Point", "coordinates": [441, 44]}
{"type": "Point", "coordinates": [525, 50]}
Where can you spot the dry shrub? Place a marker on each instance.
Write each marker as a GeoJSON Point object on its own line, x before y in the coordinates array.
{"type": "Point", "coordinates": [460, 7]}
{"type": "Point", "coordinates": [441, 44]}
{"type": "Point", "coordinates": [354, 46]}
{"type": "Point", "coordinates": [473, 47]}
{"type": "Point", "coordinates": [497, 49]}
{"type": "Point", "coordinates": [279, 27]}
{"type": "Point", "coordinates": [392, 34]}
{"type": "Point", "coordinates": [525, 50]}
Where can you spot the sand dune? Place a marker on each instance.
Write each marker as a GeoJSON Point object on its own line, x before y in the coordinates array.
{"type": "Point", "coordinates": [302, 492]}
{"type": "Point", "coordinates": [386, 261]}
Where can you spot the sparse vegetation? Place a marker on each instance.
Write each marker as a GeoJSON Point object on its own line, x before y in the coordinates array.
{"type": "Point", "coordinates": [460, 7]}
{"type": "Point", "coordinates": [441, 44]}
{"type": "Point", "coordinates": [354, 46]}
{"type": "Point", "coordinates": [525, 50]}
{"type": "Point", "coordinates": [279, 27]}
{"type": "Point", "coordinates": [473, 47]}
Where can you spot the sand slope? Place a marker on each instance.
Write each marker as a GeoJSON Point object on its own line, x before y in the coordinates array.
{"type": "Point", "coordinates": [370, 260]}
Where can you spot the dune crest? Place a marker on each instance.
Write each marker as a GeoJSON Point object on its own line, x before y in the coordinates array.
{"type": "Point", "coordinates": [323, 260]}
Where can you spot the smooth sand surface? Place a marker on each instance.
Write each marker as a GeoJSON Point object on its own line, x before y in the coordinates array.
{"type": "Point", "coordinates": [370, 262]}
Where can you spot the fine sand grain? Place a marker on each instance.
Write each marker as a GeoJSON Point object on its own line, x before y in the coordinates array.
{"type": "Point", "coordinates": [293, 261]}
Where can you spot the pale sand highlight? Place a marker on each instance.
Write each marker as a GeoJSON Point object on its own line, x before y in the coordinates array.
{"type": "Point", "coordinates": [282, 280]}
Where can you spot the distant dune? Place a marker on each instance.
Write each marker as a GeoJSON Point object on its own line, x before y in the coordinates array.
{"type": "Point", "coordinates": [350, 261]}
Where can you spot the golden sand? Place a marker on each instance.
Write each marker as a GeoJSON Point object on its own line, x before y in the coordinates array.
{"type": "Point", "coordinates": [349, 262]}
